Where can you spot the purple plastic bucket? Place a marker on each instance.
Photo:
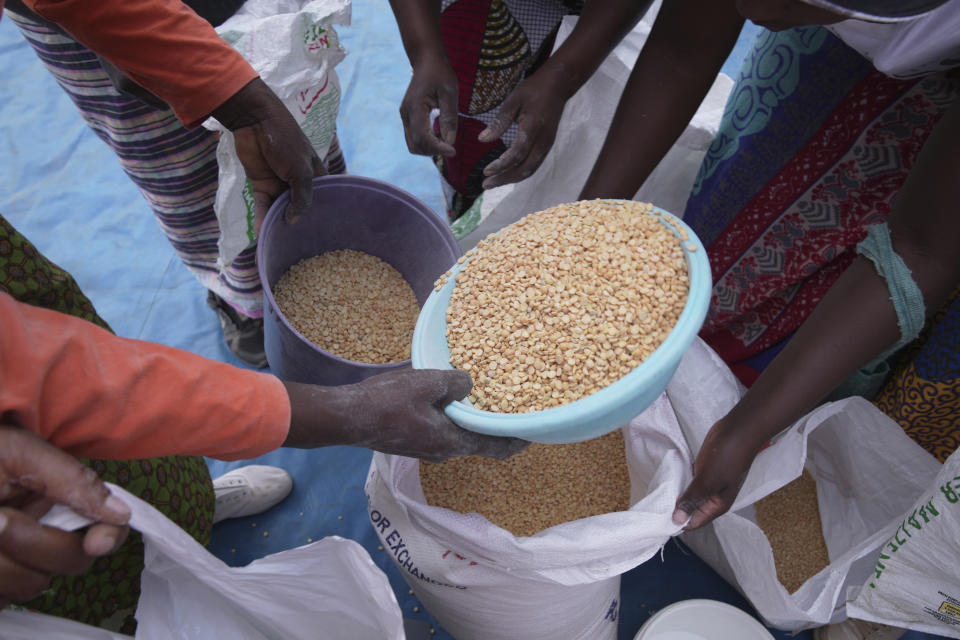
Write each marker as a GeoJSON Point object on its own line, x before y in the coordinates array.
{"type": "Point", "coordinates": [348, 212]}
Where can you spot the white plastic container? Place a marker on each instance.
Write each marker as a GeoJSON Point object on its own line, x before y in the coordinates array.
{"type": "Point", "coordinates": [702, 620]}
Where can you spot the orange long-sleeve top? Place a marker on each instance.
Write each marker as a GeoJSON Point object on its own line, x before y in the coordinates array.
{"type": "Point", "coordinates": [162, 45]}
{"type": "Point", "coordinates": [95, 394]}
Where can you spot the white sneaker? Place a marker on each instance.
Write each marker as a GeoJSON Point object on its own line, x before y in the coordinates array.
{"type": "Point", "coordinates": [249, 490]}
{"type": "Point", "coordinates": [854, 629]}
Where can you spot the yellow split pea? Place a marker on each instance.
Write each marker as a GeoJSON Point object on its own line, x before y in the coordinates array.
{"type": "Point", "coordinates": [790, 518]}
{"type": "Point", "coordinates": [565, 302]}
{"type": "Point", "coordinates": [543, 486]}
{"type": "Point", "coordinates": [350, 303]}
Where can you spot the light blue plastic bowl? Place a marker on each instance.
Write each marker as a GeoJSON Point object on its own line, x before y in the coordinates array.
{"type": "Point", "coordinates": [599, 413]}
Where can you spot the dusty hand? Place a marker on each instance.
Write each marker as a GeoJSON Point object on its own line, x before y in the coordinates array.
{"type": "Point", "coordinates": [272, 148]}
{"type": "Point", "coordinates": [433, 86]}
{"type": "Point", "coordinates": [400, 412]}
{"type": "Point", "coordinates": [718, 474]}
{"type": "Point", "coordinates": [34, 475]}
{"type": "Point", "coordinates": [536, 107]}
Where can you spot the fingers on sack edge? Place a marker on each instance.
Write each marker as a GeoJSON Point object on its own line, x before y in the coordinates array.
{"type": "Point", "coordinates": [700, 511]}
{"type": "Point", "coordinates": [688, 503]}
{"type": "Point", "coordinates": [31, 462]}
{"type": "Point", "coordinates": [38, 548]}
{"type": "Point", "coordinates": [19, 583]}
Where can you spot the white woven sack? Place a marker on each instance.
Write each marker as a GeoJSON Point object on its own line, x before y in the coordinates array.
{"type": "Point", "coordinates": [294, 47]}
{"type": "Point", "coordinates": [915, 582]}
{"type": "Point", "coordinates": [867, 471]}
{"type": "Point", "coordinates": [482, 583]}
{"type": "Point", "coordinates": [187, 593]}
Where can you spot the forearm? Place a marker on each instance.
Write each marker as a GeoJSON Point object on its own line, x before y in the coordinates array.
{"type": "Point", "coordinates": [399, 412]}
{"type": "Point", "coordinates": [94, 394]}
{"type": "Point", "coordinates": [852, 324]}
{"type": "Point", "coordinates": [318, 416]}
{"type": "Point", "coordinates": [686, 48]}
{"type": "Point", "coordinates": [599, 29]}
{"type": "Point", "coordinates": [343, 415]}
{"type": "Point", "coordinates": [419, 24]}
{"type": "Point", "coordinates": [856, 321]}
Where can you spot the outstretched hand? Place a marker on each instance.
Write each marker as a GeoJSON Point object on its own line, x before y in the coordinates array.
{"type": "Point", "coordinates": [35, 475]}
{"type": "Point", "coordinates": [274, 152]}
{"type": "Point", "coordinates": [718, 473]}
{"type": "Point", "coordinates": [400, 413]}
{"type": "Point", "coordinates": [536, 106]}
{"type": "Point", "coordinates": [433, 86]}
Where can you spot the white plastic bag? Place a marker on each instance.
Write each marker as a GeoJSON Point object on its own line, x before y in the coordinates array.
{"type": "Point", "coordinates": [187, 593]}
{"type": "Point", "coordinates": [482, 583]}
{"type": "Point", "coordinates": [916, 580]}
{"type": "Point", "coordinates": [27, 625]}
{"type": "Point", "coordinates": [292, 44]}
{"type": "Point", "coordinates": [582, 131]}
{"type": "Point", "coordinates": [867, 471]}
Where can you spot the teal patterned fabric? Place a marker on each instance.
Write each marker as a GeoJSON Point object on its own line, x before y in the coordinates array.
{"type": "Point", "coordinates": [769, 75]}
{"type": "Point", "coordinates": [812, 151]}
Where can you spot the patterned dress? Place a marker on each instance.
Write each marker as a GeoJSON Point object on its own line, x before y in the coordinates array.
{"type": "Point", "coordinates": [813, 148]}
{"type": "Point", "coordinates": [492, 45]}
{"type": "Point", "coordinates": [178, 486]}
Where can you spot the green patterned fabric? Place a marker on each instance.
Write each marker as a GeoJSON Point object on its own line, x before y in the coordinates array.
{"type": "Point", "coordinates": [178, 486]}
{"type": "Point", "coordinates": [29, 277]}
{"type": "Point", "coordinates": [469, 221]}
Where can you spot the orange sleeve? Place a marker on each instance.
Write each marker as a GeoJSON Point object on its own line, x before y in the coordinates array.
{"type": "Point", "coordinates": [160, 44]}
{"type": "Point", "coordinates": [94, 394]}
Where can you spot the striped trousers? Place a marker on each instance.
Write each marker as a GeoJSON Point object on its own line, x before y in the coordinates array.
{"type": "Point", "coordinates": [175, 169]}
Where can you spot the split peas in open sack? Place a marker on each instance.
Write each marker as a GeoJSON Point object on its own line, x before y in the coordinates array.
{"type": "Point", "coordinates": [548, 311]}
